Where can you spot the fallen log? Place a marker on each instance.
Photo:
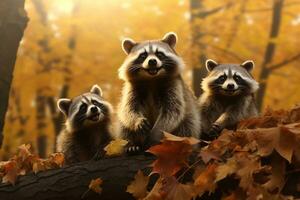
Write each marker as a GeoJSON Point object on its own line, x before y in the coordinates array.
{"type": "Point", "coordinates": [72, 182]}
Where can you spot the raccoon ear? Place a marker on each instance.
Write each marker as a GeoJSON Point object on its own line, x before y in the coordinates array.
{"type": "Point", "coordinates": [170, 38]}
{"type": "Point", "coordinates": [127, 45]}
{"type": "Point", "coordinates": [63, 105]}
{"type": "Point", "coordinates": [210, 64]}
{"type": "Point", "coordinates": [248, 65]}
{"type": "Point", "coordinates": [96, 90]}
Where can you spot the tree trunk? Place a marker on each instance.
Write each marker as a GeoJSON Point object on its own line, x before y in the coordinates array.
{"type": "Point", "coordinates": [13, 21]}
{"type": "Point", "coordinates": [73, 181]}
{"type": "Point", "coordinates": [270, 51]}
{"type": "Point", "coordinates": [41, 123]}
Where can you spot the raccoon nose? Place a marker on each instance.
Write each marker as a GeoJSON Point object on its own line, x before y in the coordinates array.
{"type": "Point", "coordinates": [230, 86]}
{"type": "Point", "coordinates": [94, 109]}
{"type": "Point", "coordinates": [152, 63]}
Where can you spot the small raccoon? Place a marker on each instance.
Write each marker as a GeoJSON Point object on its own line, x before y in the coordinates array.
{"type": "Point", "coordinates": [88, 126]}
{"type": "Point", "coordinates": [228, 96]}
{"type": "Point", "coordinates": [155, 97]}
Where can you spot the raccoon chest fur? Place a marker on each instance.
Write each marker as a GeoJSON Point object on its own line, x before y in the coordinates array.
{"type": "Point", "coordinates": [151, 95]}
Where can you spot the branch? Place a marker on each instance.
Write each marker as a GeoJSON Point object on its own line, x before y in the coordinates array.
{"type": "Point", "coordinates": [226, 51]}
{"type": "Point", "coordinates": [285, 62]}
{"type": "Point", "coordinates": [204, 14]}
{"type": "Point", "coordinates": [72, 181]}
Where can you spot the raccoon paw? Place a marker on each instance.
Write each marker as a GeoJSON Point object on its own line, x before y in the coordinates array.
{"type": "Point", "coordinates": [133, 149]}
{"type": "Point", "coordinates": [214, 132]}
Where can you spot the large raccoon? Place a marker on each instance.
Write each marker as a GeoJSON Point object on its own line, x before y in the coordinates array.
{"type": "Point", "coordinates": [228, 96]}
{"type": "Point", "coordinates": [88, 125]}
{"type": "Point", "coordinates": [155, 98]}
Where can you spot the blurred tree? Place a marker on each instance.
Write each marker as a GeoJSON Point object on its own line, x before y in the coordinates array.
{"type": "Point", "coordinates": [198, 48]}
{"type": "Point", "coordinates": [266, 68]}
{"type": "Point", "coordinates": [13, 21]}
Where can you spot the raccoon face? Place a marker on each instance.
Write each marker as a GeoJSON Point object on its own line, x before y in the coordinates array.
{"type": "Point", "coordinates": [85, 110]}
{"type": "Point", "coordinates": [150, 59]}
{"type": "Point", "coordinates": [229, 79]}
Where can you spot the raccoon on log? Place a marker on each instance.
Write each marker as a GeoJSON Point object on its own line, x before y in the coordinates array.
{"type": "Point", "coordinates": [155, 97]}
{"type": "Point", "coordinates": [88, 126]}
{"type": "Point", "coordinates": [228, 96]}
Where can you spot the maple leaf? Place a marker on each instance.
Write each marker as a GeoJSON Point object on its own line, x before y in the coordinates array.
{"type": "Point", "coordinates": [11, 172]}
{"type": "Point", "coordinates": [115, 147]}
{"type": "Point", "coordinates": [205, 181]}
{"type": "Point", "coordinates": [138, 187]}
{"type": "Point", "coordinates": [95, 185]}
{"type": "Point", "coordinates": [171, 154]}
{"type": "Point", "coordinates": [284, 139]}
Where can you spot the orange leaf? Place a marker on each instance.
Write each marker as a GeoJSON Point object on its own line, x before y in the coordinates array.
{"type": "Point", "coordinates": [206, 180]}
{"type": "Point", "coordinates": [95, 185]}
{"type": "Point", "coordinates": [171, 154]}
{"type": "Point", "coordinates": [11, 172]}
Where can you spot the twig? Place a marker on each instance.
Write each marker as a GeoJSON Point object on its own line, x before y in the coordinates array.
{"type": "Point", "coordinates": [287, 61]}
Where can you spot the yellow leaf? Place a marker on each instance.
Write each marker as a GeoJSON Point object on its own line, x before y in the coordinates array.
{"type": "Point", "coordinates": [115, 147]}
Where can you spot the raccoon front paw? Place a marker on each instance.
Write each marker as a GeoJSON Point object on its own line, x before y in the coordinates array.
{"type": "Point", "coordinates": [133, 149]}
{"type": "Point", "coordinates": [214, 131]}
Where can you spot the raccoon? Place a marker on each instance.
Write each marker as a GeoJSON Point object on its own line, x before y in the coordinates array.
{"type": "Point", "coordinates": [154, 97]}
{"type": "Point", "coordinates": [228, 96]}
{"type": "Point", "coordinates": [88, 126]}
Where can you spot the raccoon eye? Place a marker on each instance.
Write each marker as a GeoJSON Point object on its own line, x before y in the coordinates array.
{"type": "Point", "coordinates": [237, 78]}
{"type": "Point", "coordinates": [222, 78]}
{"type": "Point", "coordinates": [160, 55]}
{"type": "Point", "coordinates": [83, 107]}
{"type": "Point", "coordinates": [143, 56]}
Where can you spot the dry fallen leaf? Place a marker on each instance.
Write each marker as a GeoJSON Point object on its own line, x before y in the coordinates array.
{"type": "Point", "coordinates": [95, 185]}
{"type": "Point", "coordinates": [138, 187]}
{"type": "Point", "coordinates": [11, 172]}
{"type": "Point", "coordinates": [115, 147]}
{"type": "Point", "coordinates": [226, 169]}
{"type": "Point", "coordinates": [205, 181]}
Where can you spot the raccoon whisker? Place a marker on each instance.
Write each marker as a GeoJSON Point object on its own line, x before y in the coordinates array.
{"type": "Point", "coordinates": [133, 68]}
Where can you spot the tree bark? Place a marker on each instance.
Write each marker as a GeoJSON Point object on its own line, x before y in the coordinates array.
{"type": "Point", "coordinates": [270, 51]}
{"type": "Point", "coordinates": [72, 182]}
{"type": "Point", "coordinates": [13, 21]}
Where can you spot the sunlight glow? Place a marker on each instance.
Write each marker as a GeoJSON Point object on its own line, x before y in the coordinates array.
{"type": "Point", "coordinates": [64, 7]}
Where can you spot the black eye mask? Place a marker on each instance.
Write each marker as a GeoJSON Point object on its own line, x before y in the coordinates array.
{"type": "Point", "coordinates": [221, 79]}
